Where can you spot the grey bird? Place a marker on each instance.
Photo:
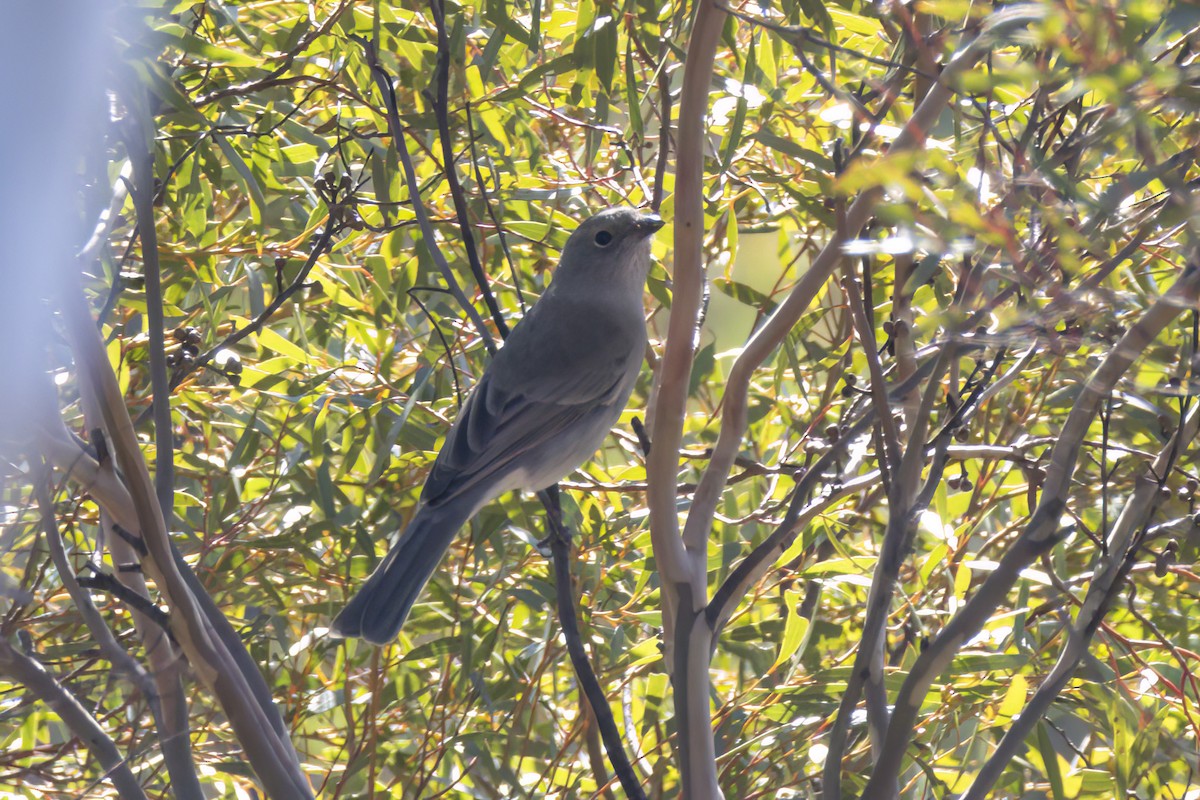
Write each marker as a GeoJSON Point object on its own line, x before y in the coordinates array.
{"type": "Point", "coordinates": [542, 408]}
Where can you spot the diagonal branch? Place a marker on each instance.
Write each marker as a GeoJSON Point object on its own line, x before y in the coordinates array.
{"type": "Point", "coordinates": [1040, 534]}
{"type": "Point", "coordinates": [30, 673]}
{"type": "Point", "coordinates": [141, 160]}
{"type": "Point", "coordinates": [118, 515]}
{"type": "Point", "coordinates": [780, 323]}
{"type": "Point", "coordinates": [270, 754]}
{"type": "Point", "coordinates": [1121, 551]}
{"type": "Point", "coordinates": [560, 550]}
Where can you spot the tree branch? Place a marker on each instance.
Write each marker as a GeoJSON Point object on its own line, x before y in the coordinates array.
{"type": "Point", "coordinates": [687, 635]}
{"type": "Point", "coordinates": [1039, 535]}
{"type": "Point", "coordinates": [560, 549]}
{"type": "Point", "coordinates": [675, 368]}
{"type": "Point", "coordinates": [102, 482]}
{"type": "Point", "coordinates": [30, 673]}
{"type": "Point", "coordinates": [271, 755]}
{"type": "Point", "coordinates": [1118, 557]}
{"type": "Point", "coordinates": [141, 160]}
{"type": "Point", "coordinates": [109, 646]}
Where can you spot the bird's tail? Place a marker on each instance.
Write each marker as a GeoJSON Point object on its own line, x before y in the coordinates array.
{"type": "Point", "coordinates": [379, 609]}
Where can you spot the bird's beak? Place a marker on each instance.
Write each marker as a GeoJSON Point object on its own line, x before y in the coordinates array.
{"type": "Point", "coordinates": [649, 223]}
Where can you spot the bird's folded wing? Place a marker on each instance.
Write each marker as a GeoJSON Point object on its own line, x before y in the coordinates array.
{"type": "Point", "coordinates": [496, 427]}
{"type": "Point", "coordinates": [585, 362]}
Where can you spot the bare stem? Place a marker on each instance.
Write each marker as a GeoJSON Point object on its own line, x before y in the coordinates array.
{"type": "Point", "coordinates": [141, 159]}
{"type": "Point", "coordinates": [441, 111]}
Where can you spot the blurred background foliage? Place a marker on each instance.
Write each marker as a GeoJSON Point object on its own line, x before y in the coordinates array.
{"type": "Point", "coordinates": [302, 447]}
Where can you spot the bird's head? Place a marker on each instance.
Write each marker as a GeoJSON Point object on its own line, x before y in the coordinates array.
{"type": "Point", "coordinates": [613, 240]}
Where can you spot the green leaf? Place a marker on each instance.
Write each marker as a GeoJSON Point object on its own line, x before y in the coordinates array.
{"type": "Point", "coordinates": [276, 343]}
{"type": "Point", "coordinates": [794, 629]}
{"type": "Point", "coordinates": [325, 489]}
{"type": "Point", "coordinates": [180, 38]}
{"type": "Point", "coordinates": [744, 294]}
{"type": "Point", "coordinates": [1050, 762]}
{"type": "Point", "coordinates": [257, 201]}
{"type": "Point", "coordinates": [632, 96]}
{"type": "Point", "coordinates": [788, 147]}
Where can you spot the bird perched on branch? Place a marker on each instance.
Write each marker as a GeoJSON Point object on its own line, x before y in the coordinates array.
{"type": "Point", "coordinates": [542, 408]}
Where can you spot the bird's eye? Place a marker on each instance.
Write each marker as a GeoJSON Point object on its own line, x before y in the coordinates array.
{"type": "Point", "coordinates": [604, 238]}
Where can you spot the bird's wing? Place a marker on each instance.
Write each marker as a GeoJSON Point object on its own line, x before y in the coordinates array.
{"type": "Point", "coordinates": [567, 360]}
{"type": "Point", "coordinates": [569, 351]}
{"type": "Point", "coordinates": [497, 426]}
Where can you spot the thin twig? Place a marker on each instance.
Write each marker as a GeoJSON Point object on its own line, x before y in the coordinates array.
{"type": "Point", "coordinates": [441, 112]}
{"type": "Point", "coordinates": [664, 138]}
{"type": "Point", "coordinates": [799, 35]}
{"type": "Point", "coordinates": [412, 295]}
{"type": "Point", "coordinates": [866, 335]}
{"type": "Point", "coordinates": [383, 82]}
{"type": "Point", "coordinates": [107, 583]}
{"type": "Point", "coordinates": [276, 76]}
{"type": "Point", "coordinates": [487, 203]}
